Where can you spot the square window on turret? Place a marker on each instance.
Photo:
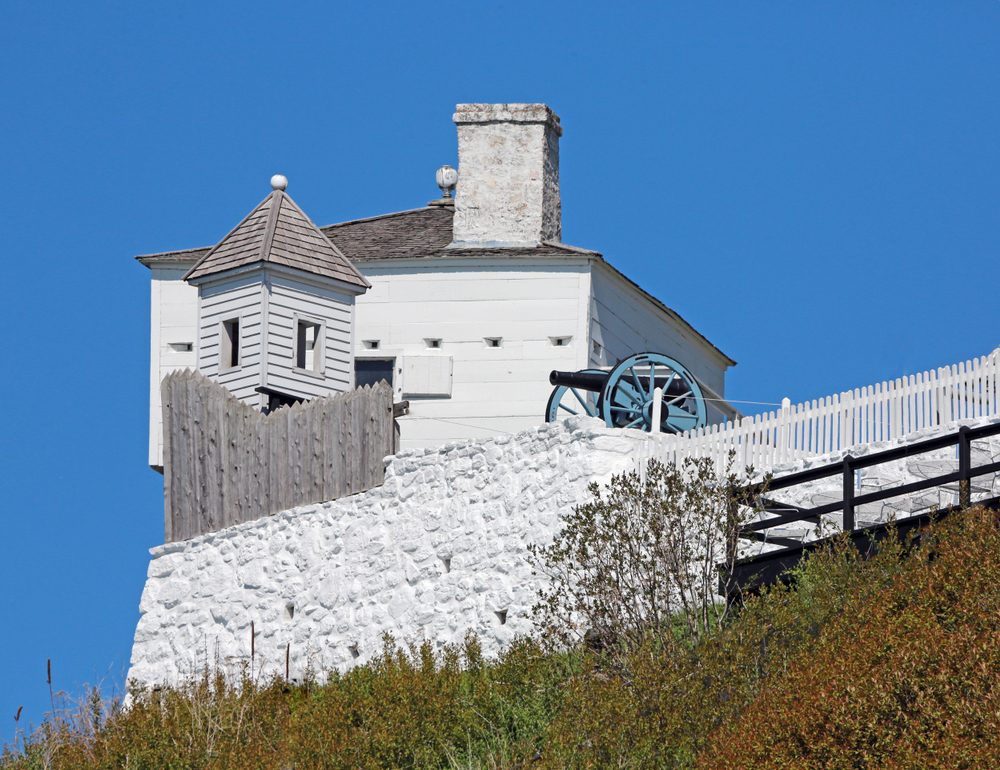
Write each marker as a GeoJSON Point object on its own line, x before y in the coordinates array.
{"type": "Point", "coordinates": [309, 346]}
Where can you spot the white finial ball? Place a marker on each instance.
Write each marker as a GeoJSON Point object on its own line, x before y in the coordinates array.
{"type": "Point", "coordinates": [446, 178]}
{"type": "Point", "coordinates": [279, 182]}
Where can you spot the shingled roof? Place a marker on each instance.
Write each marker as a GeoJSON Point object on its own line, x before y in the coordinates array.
{"type": "Point", "coordinates": [413, 234]}
{"type": "Point", "coordinates": [425, 233]}
{"type": "Point", "coordinates": [279, 232]}
{"type": "Point", "coordinates": [401, 235]}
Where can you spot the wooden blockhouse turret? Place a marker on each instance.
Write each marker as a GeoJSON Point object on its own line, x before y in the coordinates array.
{"type": "Point", "coordinates": [276, 307]}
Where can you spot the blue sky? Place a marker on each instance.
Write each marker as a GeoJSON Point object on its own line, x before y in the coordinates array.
{"type": "Point", "coordinates": [813, 185]}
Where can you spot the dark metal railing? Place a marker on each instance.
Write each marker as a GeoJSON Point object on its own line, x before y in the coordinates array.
{"type": "Point", "coordinates": [761, 495]}
{"type": "Point", "coordinates": [849, 465]}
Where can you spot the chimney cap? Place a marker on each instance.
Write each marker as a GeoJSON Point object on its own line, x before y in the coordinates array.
{"type": "Point", "coordinates": [515, 112]}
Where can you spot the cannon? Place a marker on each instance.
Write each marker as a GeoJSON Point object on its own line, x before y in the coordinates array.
{"type": "Point", "coordinates": [623, 396]}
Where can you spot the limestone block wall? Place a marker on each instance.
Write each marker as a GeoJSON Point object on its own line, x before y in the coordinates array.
{"type": "Point", "coordinates": [440, 549]}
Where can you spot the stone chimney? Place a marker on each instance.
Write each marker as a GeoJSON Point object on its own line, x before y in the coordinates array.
{"type": "Point", "coordinates": [508, 175]}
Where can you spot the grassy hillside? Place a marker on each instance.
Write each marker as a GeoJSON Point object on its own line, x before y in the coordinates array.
{"type": "Point", "coordinates": [891, 662]}
{"type": "Point", "coordinates": [906, 677]}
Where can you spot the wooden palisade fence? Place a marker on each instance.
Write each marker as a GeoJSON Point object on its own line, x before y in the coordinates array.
{"type": "Point", "coordinates": [882, 412]}
{"type": "Point", "coordinates": [226, 463]}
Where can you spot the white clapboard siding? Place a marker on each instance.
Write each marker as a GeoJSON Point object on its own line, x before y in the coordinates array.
{"type": "Point", "coordinates": [494, 391]}
{"type": "Point", "coordinates": [624, 321]}
{"type": "Point", "coordinates": [881, 412]}
{"type": "Point", "coordinates": [243, 298]}
{"type": "Point", "coordinates": [173, 327]}
{"type": "Point", "coordinates": [291, 300]}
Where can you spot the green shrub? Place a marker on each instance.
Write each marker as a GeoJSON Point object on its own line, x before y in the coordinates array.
{"type": "Point", "coordinates": [640, 559]}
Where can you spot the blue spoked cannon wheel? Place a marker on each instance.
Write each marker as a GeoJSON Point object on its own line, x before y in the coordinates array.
{"type": "Point", "coordinates": [627, 398]}
{"type": "Point", "coordinates": [566, 401]}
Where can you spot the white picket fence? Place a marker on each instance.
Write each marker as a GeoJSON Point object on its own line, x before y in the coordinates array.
{"type": "Point", "coordinates": [880, 412]}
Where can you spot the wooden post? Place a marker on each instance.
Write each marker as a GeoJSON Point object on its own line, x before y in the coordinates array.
{"type": "Point", "coordinates": [657, 410]}
{"type": "Point", "coordinates": [964, 467]}
{"type": "Point", "coordinates": [848, 523]}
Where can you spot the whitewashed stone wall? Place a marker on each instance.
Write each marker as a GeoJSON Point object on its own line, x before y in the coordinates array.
{"type": "Point", "coordinates": [440, 549]}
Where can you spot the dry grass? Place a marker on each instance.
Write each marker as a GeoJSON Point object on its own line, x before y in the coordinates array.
{"type": "Point", "coordinates": [890, 662]}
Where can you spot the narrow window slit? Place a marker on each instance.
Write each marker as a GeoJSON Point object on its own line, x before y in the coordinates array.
{"type": "Point", "coordinates": [229, 347]}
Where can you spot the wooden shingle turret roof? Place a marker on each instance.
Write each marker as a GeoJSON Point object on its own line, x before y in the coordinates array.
{"type": "Point", "coordinates": [278, 231]}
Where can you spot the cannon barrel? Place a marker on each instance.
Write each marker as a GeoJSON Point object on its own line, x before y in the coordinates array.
{"type": "Point", "coordinates": [595, 383]}
{"type": "Point", "coordinates": [582, 380]}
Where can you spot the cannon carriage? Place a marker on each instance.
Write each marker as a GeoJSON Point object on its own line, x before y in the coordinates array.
{"type": "Point", "coordinates": [625, 396]}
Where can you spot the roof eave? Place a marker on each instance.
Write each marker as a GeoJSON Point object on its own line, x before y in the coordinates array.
{"type": "Point", "coordinates": [668, 310]}
{"type": "Point", "coordinates": [179, 256]}
{"type": "Point", "coordinates": [350, 286]}
{"type": "Point", "coordinates": [276, 267]}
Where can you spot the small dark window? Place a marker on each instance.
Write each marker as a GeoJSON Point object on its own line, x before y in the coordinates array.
{"type": "Point", "coordinates": [277, 400]}
{"type": "Point", "coordinates": [368, 371]}
{"type": "Point", "coordinates": [229, 347]}
{"type": "Point", "coordinates": [433, 342]}
{"type": "Point", "coordinates": [309, 346]}
{"type": "Point", "coordinates": [494, 342]}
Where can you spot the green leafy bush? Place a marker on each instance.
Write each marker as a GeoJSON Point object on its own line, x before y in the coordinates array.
{"type": "Point", "coordinates": [641, 558]}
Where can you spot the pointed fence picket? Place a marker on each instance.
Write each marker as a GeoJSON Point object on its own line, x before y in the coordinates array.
{"type": "Point", "coordinates": [881, 412]}
{"type": "Point", "coordinates": [226, 463]}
